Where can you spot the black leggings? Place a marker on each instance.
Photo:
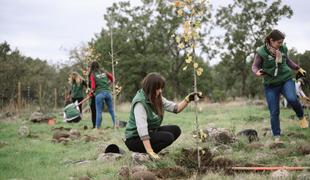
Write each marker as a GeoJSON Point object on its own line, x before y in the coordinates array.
{"type": "Point", "coordinates": [160, 139]}
{"type": "Point", "coordinates": [93, 111]}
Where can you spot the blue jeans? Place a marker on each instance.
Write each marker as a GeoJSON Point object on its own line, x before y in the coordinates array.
{"type": "Point", "coordinates": [100, 99]}
{"type": "Point", "coordinates": [272, 94]}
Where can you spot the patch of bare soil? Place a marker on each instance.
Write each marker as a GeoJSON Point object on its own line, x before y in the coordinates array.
{"type": "Point", "coordinates": [171, 172]}
{"type": "Point", "coordinates": [304, 149]}
{"type": "Point", "coordinates": [276, 145]}
{"type": "Point", "coordinates": [188, 159]}
{"type": "Point", "coordinates": [296, 135]}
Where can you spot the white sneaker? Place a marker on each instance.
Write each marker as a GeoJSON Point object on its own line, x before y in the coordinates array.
{"type": "Point", "coordinates": [277, 139]}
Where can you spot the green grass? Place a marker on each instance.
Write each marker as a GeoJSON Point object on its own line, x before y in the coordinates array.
{"type": "Point", "coordinates": [37, 158]}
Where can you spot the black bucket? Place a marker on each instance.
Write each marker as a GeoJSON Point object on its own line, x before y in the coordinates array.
{"type": "Point", "coordinates": [112, 148]}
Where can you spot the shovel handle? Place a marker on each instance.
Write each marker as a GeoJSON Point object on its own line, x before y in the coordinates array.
{"type": "Point", "coordinates": [85, 99]}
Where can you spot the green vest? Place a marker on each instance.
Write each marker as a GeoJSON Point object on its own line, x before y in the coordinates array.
{"type": "Point", "coordinates": [102, 82]}
{"type": "Point", "coordinates": [153, 120]}
{"type": "Point", "coordinates": [77, 90]}
{"type": "Point", "coordinates": [269, 66]}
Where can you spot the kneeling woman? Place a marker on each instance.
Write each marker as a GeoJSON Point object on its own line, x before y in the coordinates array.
{"type": "Point", "coordinates": [144, 132]}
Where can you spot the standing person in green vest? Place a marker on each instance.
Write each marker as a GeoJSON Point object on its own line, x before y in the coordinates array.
{"type": "Point", "coordinates": [100, 87]}
{"type": "Point", "coordinates": [77, 88]}
{"type": "Point", "coordinates": [271, 62]}
{"type": "Point", "coordinates": [144, 132]}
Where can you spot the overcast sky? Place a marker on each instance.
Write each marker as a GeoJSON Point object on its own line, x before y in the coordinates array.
{"type": "Point", "coordinates": [48, 29]}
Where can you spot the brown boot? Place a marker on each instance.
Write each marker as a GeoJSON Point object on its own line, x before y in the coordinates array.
{"type": "Point", "coordinates": [303, 123]}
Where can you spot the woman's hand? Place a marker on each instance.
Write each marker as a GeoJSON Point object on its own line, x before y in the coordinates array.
{"type": "Point", "coordinates": [153, 155]}
{"type": "Point", "coordinates": [259, 73]}
{"type": "Point", "coordinates": [191, 96]}
{"type": "Point", "coordinates": [300, 73]}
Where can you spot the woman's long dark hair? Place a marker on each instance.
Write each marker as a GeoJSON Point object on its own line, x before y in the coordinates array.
{"type": "Point", "coordinates": [151, 83]}
{"type": "Point", "coordinates": [275, 35]}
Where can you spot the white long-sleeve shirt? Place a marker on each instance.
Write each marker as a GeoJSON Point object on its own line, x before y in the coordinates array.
{"type": "Point", "coordinates": [141, 116]}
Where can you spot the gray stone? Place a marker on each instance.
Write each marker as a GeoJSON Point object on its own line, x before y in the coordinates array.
{"type": "Point", "coordinates": [219, 135]}
{"type": "Point", "coordinates": [140, 158]}
{"type": "Point", "coordinates": [145, 175]}
{"type": "Point", "coordinates": [75, 132]}
{"type": "Point", "coordinates": [304, 176]}
{"type": "Point", "coordinates": [280, 174]}
{"type": "Point", "coordinates": [108, 157]}
{"type": "Point", "coordinates": [23, 131]}
{"type": "Point", "coordinates": [124, 172]}
{"type": "Point", "coordinates": [36, 117]}
{"type": "Point", "coordinates": [137, 168]}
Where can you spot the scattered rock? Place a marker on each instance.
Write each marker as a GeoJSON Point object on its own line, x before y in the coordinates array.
{"type": "Point", "coordinates": [171, 172]}
{"type": "Point", "coordinates": [296, 135]}
{"type": "Point", "coordinates": [58, 134]}
{"type": "Point", "coordinates": [61, 129]}
{"type": "Point", "coordinates": [304, 176]}
{"type": "Point", "coordinates": [124, 172]}
{"type": "Point", "coordinates": [108, 157]}
{"type": "Point", "coordinates": [143, 175]}
{"type": "Point", "coordinates": [37, 117]}
{"type": "Point", "coordinates": [276, 145]}
{"type": "Point", "coordinates": [74, 132]}
{"type": "Point", "coordinates": [251, 134]}
{"type": "Point", "coordinates": [23, 131]}
{"type": "Point", "coordinates": [280, 174]}
{"type": "Point", "coordinates": [137, 168]}
{"type": "Point", "coordinates": [219, 135]}
{"type": "Point", "coordinates": [304, 149]}
{"type": "Point", "coordinates": [140, 158]}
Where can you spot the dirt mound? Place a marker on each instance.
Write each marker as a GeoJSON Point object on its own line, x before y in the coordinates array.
{"type": "Point", "coordinates": [172, 172]}
{"type": "Point", "coordinates": [296, 135]}
{"type": "Point", "coordinates": [188, 159]}
{"type": "Point", "coordinates": [147, 175]}
{"type": "Point", "coordinates": [223, 164]}
{"type": "Point", "coordinates": [276, 145]}
{"type": "Point", "coordinates": [304, 149]}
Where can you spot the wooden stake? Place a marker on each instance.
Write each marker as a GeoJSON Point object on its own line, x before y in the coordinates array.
{"type": "Point", "coordinates": [19, 96]}
{"type": "Point", "coordinates": [55, 94]}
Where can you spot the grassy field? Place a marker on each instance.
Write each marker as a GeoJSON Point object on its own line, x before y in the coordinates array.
{"type": "Point", "coordinates": [36, 157]}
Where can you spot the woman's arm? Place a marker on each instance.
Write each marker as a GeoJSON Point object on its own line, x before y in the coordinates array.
{"type": "Point", "coordinates": [142, 128]}
{"type": "Point", "coordinates": [257, 65]}
{"type": "Point", "coordinates": [110, 76]}
{"type": "Point", "coordinates": [291, 64]}
{"type": "Point", "coordinates": [172, 106]}
{"type": "Point", "coordinates": [182, 105]}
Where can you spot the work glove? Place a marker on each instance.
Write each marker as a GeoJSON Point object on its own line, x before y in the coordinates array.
{"type": "Point", "coordinates": [153, 155]}
{"type": "Point", "coordinates": [300, 73]}
{"type": "Point", "coordinates": [191, 96]}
